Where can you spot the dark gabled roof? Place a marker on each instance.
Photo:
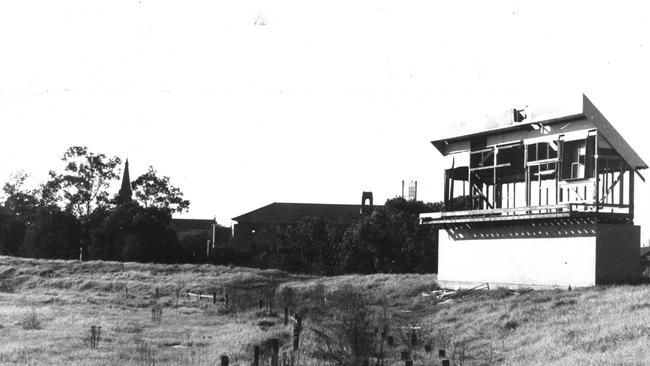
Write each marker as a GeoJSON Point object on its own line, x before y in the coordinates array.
{"type": "Point", "coordinates": [181, 225]}
{"type": "Point", "coordinates": [289, 213]}
{"type": "Point", "coordinates": [589, 111]}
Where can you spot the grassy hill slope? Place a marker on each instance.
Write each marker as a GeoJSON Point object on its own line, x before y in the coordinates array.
{"type": "Point", "coordinates": [47, 308]}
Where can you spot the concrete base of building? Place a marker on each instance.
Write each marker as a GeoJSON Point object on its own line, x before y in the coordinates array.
{"type": "Point", "coordinates": [539, 254]}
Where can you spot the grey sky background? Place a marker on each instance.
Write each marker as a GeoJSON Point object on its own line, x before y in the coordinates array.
{"type": "Point", "coordinates": [325, 100]}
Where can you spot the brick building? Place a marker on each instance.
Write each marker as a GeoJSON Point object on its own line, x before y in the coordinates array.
{"type": "Point", "coordinates": [264, 227]}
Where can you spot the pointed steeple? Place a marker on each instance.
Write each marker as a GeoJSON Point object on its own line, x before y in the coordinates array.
{"type": "Point", "coordinates": [124, 194]}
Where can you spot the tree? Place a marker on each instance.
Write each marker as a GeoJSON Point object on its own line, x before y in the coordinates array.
{"type": "Point", "coordinates": [153, 191]}
{"type": "Point", "coordinates": [53, 234]}
{"type": "Point", "coordinates": [83, 185]}
{"type": "Point", "coordinates": [22, 202]}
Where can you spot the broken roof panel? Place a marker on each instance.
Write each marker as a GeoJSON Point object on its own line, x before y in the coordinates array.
{"type": "Point", "coordinates": [589, 113]}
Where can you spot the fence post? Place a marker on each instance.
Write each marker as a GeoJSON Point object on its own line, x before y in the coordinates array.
{"type": "Point", "coordinates": [256, 356]}
{"type": "Point", "coordinates": [286, 316]}
{"type": "Point", "coordinates": [198, 296]}
{"type": "Point", "coordinates": [297, 328]}
{"type": "Point", "coordinates": [414, 338]}
{"type": "Point", "coordinates": [224, 360]}
{"type": "Point", "coordinates": [276, 351]}
{"type": "Point", "coordinates": [187, 294]}
{"type": "Point", "coordinates": [214, 297]}
{"type": "Point", "coordinates": [226, 299]}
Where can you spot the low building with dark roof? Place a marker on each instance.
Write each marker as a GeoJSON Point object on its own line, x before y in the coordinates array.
{"type": "Point", "coordinates": [265, 226]}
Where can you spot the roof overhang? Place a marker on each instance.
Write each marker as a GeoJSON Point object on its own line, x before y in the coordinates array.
{"type": "Point", "coordinates": [589, 112]}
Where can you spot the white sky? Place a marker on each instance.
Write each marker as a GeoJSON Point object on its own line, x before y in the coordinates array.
{"type": "Point", "coordinates": [326, 100]}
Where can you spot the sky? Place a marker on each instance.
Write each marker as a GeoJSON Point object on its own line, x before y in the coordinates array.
{"type": "Point", "coordinates": [247, 103]}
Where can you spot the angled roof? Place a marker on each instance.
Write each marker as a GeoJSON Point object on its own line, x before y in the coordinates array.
{"type": "Point", "coordinates": [289, 213]}
{"type": "Point", "coordinates": [192, 224]}
{"type": "Point", "coordinates": [589, 112]}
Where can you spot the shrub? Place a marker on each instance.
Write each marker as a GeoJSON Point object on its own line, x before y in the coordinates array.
{"type": "Point", "coordinates": [30, 321]}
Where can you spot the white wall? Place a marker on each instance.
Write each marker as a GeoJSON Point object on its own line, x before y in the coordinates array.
{"type": "Point", "coordinates": [560, 261]}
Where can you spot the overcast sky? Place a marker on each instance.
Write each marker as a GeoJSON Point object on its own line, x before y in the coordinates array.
{"type": "Point", "coordinates": [246, 103]}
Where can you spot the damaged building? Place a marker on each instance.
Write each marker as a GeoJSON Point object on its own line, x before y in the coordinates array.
{"type": "Point", "coordinates": [548, 203]}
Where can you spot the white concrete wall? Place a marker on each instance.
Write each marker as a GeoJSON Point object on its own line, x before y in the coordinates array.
{"type": "Point", "coordinates": [560, 261]}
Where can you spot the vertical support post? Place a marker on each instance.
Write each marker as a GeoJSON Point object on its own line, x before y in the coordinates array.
{"type": "Point", "coordinates": [286, 316]}
{"type": "Point", "coordinates": [214, 298]}
{"type": "Point", "coordinates": [621, 184]}
{"type": "Point", "coordinates": [226, 298]}
{"type": "Point", "coordinates": [447, 204]}
{"type": "Point", "coordinates": [494, 178]}
{"type": "Point", "coordinates": [558, 166]}
{"type": "Point", "coordinates": [596, 171]}
{"type": "Point", "coordinates": [631, 194]}
{"type": "Point", "coordinates": [526, 178]}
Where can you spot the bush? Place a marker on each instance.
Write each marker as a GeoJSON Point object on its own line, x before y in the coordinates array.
{"type": "Point", "coordinates": [30, 321]}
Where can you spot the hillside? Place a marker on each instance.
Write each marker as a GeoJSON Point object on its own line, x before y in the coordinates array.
{"type": "Point", "coordinates": [47, 308]}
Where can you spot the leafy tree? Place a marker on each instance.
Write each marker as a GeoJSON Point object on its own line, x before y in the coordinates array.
{"type": "Point", "coordinates": [22, 202]}
{"type": "Point", "coordinates": [311, 246]}
{"type": "Point", "coordinates": [83, 185]}
{"type": "Point", "coordinates": [131, 232]}
{"type": "Point", "coordinates": [391, 240]}
{"type": "Point", "coordinates": [153, 191]}
{"type": "Point", "coordinates": [53, 234]}
{"type": "Point", "coordinates": [12, 232]}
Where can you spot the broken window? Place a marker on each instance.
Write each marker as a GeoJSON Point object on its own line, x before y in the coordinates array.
{"type": "Point", "coordinates": [578, 158]}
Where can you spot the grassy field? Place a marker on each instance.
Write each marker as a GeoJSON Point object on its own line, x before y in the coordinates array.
{"type": "Point", "coordinates": [48, 307]}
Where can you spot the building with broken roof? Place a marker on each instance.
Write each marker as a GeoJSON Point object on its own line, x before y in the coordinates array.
{"type": "Point", "coordinates": [547, 203]}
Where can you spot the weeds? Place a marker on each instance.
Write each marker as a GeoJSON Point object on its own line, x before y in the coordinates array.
{"type": "Point", "coordinates": [30, 321]}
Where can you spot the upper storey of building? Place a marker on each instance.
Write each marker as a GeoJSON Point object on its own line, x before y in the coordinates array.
{"type": "Point", "coordinates": [572, 166]}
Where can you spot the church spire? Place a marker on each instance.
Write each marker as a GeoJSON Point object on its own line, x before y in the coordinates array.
{"type": "Point", "coordinates": [124, 194]}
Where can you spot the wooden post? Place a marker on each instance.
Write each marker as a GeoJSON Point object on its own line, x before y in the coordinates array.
{"type": "Point", "coordinates": [526, 178]}
{"type": "Point", "coordinates": [621, 184]}
{"type": "Point", "coordinates": [631, 194]}
{"type": "Point", "coordinates": [224, 360]}
{"type": "Point", "coordinates": [198, 296]}
{"type": "Point", "coordinates": [187, 294]}
{"type": "Point", "coordinates": [286, 316]}
{"type": "Point", "coordinates": [296, 332]}
{"type": "Point", "coordinates": [275, 344]}
{"type": "Point", "coordinates": [414, 338]}
{"type": "Point", "coordinates": [214, 298]}
{"type": "Point", "coordinates": [226, 299]}
{"type": "Point", "coordinates": [256, 356]}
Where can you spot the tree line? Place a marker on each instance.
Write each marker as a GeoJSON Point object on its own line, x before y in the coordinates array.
{"type": "Point", "coordinates": [74, 213]}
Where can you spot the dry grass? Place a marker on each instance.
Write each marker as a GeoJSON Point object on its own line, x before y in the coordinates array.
{"type": "Point", "coordinates": [47, 308]}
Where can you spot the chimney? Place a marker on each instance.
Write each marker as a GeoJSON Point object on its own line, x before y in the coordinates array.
{"type": "Point", "coordinates": [366, 209]}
